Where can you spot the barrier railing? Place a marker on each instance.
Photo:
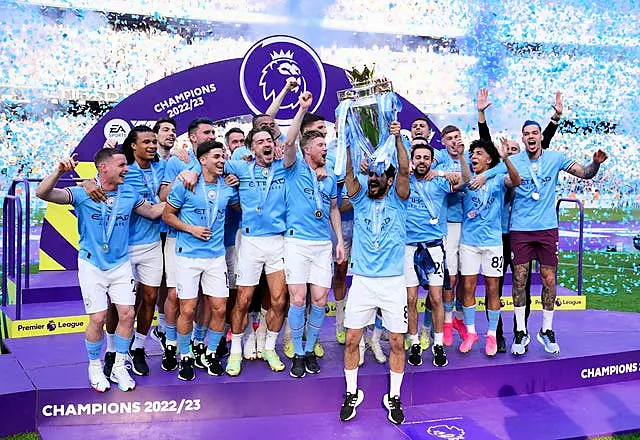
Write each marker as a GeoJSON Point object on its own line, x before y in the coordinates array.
{"type": "Point", "coordinates": [12, 260]}
{"type": "Point", "coordinates": [27, 228]}
{"type": "Point", "coordinates": [580, 237]}
{"type": "Point", "coordinates": [16, 263]}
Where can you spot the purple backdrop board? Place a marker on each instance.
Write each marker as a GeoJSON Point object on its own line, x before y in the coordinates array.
{"type": "Point", "coordinates": [17, 398]}
{"type": "Point", "coordinates": [219, 91]}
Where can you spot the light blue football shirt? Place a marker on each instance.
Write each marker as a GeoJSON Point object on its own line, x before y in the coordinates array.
{"type": "Point", "coordinates": [385, 219]}
{"type": "Point", "coordinates": [271, 218]}
{"type": "Point", "coordinates": [528, 214]}
{"type": "Point", "coordinates": [301, 204]}
{"type": "Point", "coordinates": [147, 183]}
{"type": "Point", "coordinates": [90, 225]}
{"type": "Point", "coordinates": [454, 201]}
{"type": "Point", "coordinates": [482, 209]}
{"type": "Point", "coordinates": [419, 228]}
{"type": "Point", "coordinates": [174, 167]}
{"type": "Point", "coordinates": [241, 152]}
{"type": "Point", "coordinates": [193, 211]}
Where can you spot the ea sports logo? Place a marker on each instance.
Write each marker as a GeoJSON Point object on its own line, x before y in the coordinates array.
{"type": "Point", "coordinates": [116, 129]}
{"type": "Point", "coordinates": [268, 65]}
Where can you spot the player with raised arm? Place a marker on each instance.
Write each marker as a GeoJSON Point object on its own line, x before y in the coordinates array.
{"type": "Point", "coordinates": [261, 190]}
{"type": "Point", "coordinates": [104, 270]}
{"type": "Point", "coordinates": [312, 210]}
{"type": "Point", "coordinates": [481, 239]}
{"type": "Point", "coordinates": [534, 228]}
{"type": "Point", "coordinates": [380, 215]}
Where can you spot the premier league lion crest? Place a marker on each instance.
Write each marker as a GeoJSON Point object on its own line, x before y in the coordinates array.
{"type": "Point", "coordinates": [268, 65]}
{"type": "Point", "coordinates": [446, 432]}
{"type": "Point", "coordinates": [275, 75]}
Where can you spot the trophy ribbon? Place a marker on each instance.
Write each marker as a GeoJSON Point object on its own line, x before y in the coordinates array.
{"type": "Point", "coordinates": [389, 105]}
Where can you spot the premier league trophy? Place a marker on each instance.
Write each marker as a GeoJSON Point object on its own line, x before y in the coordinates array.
{"type": "Point", "coordinates": [363, 117]}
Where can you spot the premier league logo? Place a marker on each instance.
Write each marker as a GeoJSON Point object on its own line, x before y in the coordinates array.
{"type": "Point", "coordinates": [268, 65]}
{"type": "Point", "coordinates": [446, 432]}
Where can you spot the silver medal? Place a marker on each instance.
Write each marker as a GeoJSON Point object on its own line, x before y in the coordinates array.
{"type": "Point", "coordinates": [535, 196]}
{"type": "Point", "coordinates": [318, 214]}
{"type": "Point", "coordinates": [105, 248]}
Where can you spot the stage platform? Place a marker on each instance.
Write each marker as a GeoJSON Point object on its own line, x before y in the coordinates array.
{"type": "Point", "coordinates": [538, 395]}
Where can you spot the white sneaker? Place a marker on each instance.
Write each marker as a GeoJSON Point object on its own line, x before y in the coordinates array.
{"type": "Point", "coordinates": [97, 379]}
{"type": "Point", "coordinates": [381, 358]}
{"type": "Point", "coordinates": [120, 375]}
{"type": "Point", "coordinates": [261, 337]}
{"type": "Point", "coordinates": [362, 348]}
{"type": "Point", "coordinates": [249, 350]}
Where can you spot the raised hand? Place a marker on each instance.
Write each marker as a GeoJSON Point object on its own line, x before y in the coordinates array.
{"type": "Point", "coordinates": [110, 143]}
{"type": "Point", "coordinates": [558, 106]}
{"type": "Point", "coordinates": [599, 156]}
{"type": "Point", "coordinates": [483, 100]}
{"type": "Point", "coordinates": [292, 83]}
{"type": "Point", "coordinates": [394, 128]}
{"type": "Point", "coordinates": [503, 148]}
{"type": "Point", "coordinates": [364, 166]}
{"type": "Point", "coordinates": [68, 164]}
{"type": "Point", "coordinates": [305, 100]}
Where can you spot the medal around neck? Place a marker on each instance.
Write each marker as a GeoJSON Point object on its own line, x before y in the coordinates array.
{"type": "Point", "coordinates": [535, 196]}
{"type": "Point", "coordinates": [105, 248]}
{"type": "Point", "coordinates": [318, 214]}
{"type": "Point", "coordinates": [265, 172]}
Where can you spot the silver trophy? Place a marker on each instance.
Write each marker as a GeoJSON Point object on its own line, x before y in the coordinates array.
{"type": "Point", "coordinates": [364, 93]}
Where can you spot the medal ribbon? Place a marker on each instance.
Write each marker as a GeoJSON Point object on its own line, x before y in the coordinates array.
{"type": "Point", "coordinates": [316, 189]}
{"type": "Point", "coordinates": [211, 219]}
{"type": "Point", "coordinates": [263, 197]}
{"type": "Point", "coordinates": [487, 190]}
{"type": "Point", "coordinates": [108, 231]}
{"type": "Point", "coordinates": [534, 175]}
{"type": "Point", "coordinates": [424, 195]}
{"type": "Point", "coordinates": [378, 215]}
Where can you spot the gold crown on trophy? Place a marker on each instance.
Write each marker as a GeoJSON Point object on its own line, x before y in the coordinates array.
{"type": "Point", "coordinates": [364, 84]}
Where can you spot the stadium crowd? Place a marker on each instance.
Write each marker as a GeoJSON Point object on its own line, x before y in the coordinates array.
{"type": "Point", "coordinates": [45, 54]}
